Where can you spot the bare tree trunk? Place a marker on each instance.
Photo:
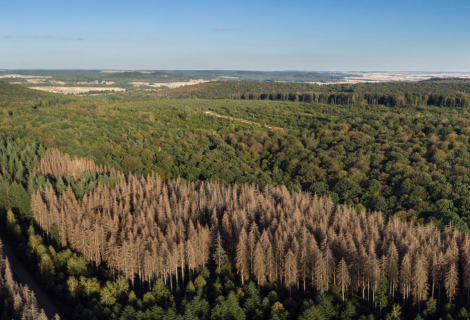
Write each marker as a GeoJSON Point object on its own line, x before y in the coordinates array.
{"type": "Point", "coordinates": [176, 274]}
{"type": "Point", "coordinates": [363, 289]}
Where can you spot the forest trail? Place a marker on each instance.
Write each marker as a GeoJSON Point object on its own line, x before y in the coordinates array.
{"type": "Point", "coordinates": [49, 308]}
{"type": "Point", "coordinates": [212, 113]}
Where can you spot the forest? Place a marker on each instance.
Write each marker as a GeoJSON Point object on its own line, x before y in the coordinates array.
{"type": "Point", "coordinates": [407, 161]}
{"type": "Point", "coordinates": [240, 89]}
{"type": "Point", "coordinates": [152, 208]}
{"type": "Point", "coordinates": [18, 301]}
{"type": "Point", "coordinates": [444, 93]}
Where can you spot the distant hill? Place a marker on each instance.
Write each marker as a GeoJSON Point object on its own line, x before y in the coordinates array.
{"type": "Point", "coordinates": [164, 76]}
{"type": "Point", "coordinates": [267, 76]}
{"type": "Point", "coordinates": [17, 94]}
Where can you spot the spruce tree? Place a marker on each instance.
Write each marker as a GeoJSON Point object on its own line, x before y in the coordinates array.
{"type": "Point", "coordinates": [60, 185]}
{"type": "Point", "coordinates": [381, 293]}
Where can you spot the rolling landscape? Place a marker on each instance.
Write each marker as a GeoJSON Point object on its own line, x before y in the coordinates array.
{"type": "Point", "coordinates": [235, 161]}
{"type": "Point", "coordinates": [292, 200]}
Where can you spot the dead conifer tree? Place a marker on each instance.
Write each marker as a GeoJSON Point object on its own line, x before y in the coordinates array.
{"type": "Point", "coordinates": [451, 281]}
{"type": "Point", "coordinates": [241, 259]}
{"type": "Point", "coordinates": [343, 277]}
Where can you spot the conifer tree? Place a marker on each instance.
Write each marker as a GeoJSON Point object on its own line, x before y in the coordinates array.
{"type": "Point", "coordinates": [241, 261]}
{"type": "Point", "coordinates": [219, 252]}
{"type": "Point", "coordinates": [343, 277]}
{"type": "Point", "coordinates": [260, 264]}
{"type": "Point", "coordinates": [381, 293]}
{"type": "Point", "coordinates": [451, 281]}
{"type": "Point", "coordinates": [290, 273]}
{"type": "Point", "coordinates": [420, 280]}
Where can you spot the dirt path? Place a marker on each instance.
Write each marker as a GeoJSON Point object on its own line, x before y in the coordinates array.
{"type": "Point", "coordinates": [46, 304]}
{"type": "Point", "coordinates": [212, 113]}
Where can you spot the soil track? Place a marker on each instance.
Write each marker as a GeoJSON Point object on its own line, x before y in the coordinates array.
{"type": "Point", "coordinates": [49, 308]}
{"type": "Point", "coordinates": [212, 113]}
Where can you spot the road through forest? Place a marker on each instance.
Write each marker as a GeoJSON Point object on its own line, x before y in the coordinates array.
{"type": "Point", "coordinates": [212, 113]}
{"type": "Point", "coordinates": [49, 308]}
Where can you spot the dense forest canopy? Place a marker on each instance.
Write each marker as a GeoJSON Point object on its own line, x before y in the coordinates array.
{"type": "Point", "coordinates": [242, 89]}
{"type": "Point", "coordinates": [146, 248]}
{"type": "Point", "coordinates": [145, 208]}
{"type": "Point", "coordinates": [407, 161]}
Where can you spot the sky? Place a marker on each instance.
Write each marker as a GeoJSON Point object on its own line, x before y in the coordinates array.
{"type": "Point", "coordinates": [313, 35]}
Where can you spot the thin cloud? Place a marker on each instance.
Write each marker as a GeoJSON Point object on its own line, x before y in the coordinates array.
{"type": "Point", "coordinates": [220, 29]}
{"type": "Point", "coordinates": [8, 36]}
{"type": "Point", "coordinates": [49, 37]}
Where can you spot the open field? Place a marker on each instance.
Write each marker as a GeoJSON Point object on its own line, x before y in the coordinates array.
{"type": "Point", "coordinates": [76, 90]}
{"type": "Point", "coordinates": [31, 79]}
{"type": "Point", "coordinates": [170, 85]}
{"type": "Point", "coordinates": [96, 82]}
{"type": "Point", "coordinates": [117, 71]}
{"type": "Point", "coordinates": [23, 76]}
{"type": "Point", "coordinates": [37, 80]}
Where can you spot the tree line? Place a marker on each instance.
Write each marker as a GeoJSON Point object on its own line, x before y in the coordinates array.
{"type": "Point", "coordinates": [449, 100]}
{"type": "Point", "coordinates": [230, 89]}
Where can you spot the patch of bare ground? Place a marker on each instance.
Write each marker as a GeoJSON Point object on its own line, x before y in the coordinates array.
{"type": "Point", "coordinates": [121, 71]}
{"type": "Point", "coordinates": [23, 76]}
{"type": "Point", "coordinates": [170, 85]}
{"type": "Point", "coordinates": [57, 82]}
{"type": "Point", "coordinates": [36, 80]}
{"type": "Point", "coordinates": [177, 91]}
{"type": "Point", "coordinates": [97, 82]}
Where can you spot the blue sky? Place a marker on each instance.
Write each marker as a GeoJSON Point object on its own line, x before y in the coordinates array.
{"type": "Point", "coordinates": [335, 35]}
